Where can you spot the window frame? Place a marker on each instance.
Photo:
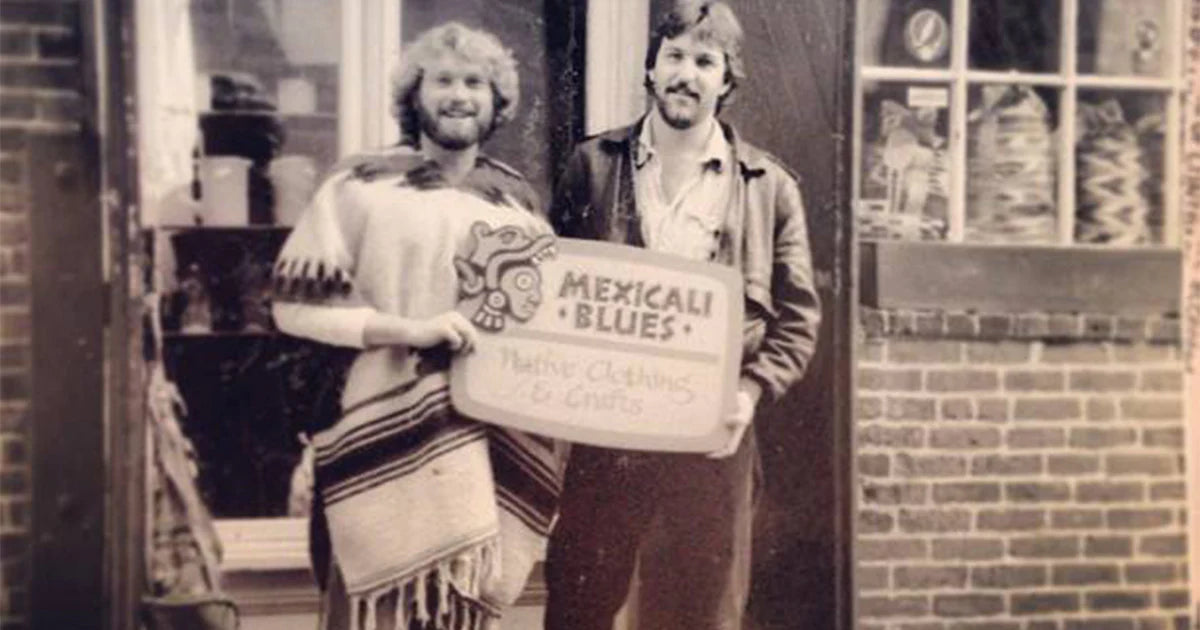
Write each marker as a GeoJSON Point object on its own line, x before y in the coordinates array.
{"type": "Point", "coordinates": [959, 78]}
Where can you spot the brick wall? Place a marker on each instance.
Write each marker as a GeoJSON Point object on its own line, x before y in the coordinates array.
{"type": "Point", "coordinates": [40, 75]}
{"type": "Point", "coordinates": [1020, 473]}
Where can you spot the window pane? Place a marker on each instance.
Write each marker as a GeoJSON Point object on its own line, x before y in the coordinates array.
{"type": "Point", "coordinates": [1012, 164]}
{"type": "Point", "coordinates": [1020, 35]}
{"type": "Point", "coordinates": [1123, 37]}
{"type": "Point", "coordinates": [912, 33]}
{"type": "Point", "coordinates": [1119, 167]}
{"type": "Point", "coordinates": [905, 185]}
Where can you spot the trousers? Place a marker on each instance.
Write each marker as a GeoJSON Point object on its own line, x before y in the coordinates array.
{"type": "Point", "coordinates": [690, 518]}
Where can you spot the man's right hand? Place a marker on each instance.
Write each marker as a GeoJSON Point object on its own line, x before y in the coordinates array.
{"type": "Point", "coordinates": [449, 327]}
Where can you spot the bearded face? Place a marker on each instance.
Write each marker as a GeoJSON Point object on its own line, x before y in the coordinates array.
{"type": "Point", "coordinates": [455, 103]}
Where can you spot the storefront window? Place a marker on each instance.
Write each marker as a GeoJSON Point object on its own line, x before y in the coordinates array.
{"type": "Point", "coordinates": [1026, 122]}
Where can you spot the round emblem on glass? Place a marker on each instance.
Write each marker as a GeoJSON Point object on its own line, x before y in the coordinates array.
{"type": "Point", "coordinates": [926, 35]}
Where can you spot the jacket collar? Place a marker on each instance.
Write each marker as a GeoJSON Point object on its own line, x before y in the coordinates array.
{"type": "Point", "coordinates": [751, 161]}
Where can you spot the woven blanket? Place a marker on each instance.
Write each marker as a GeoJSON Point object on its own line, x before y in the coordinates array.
{"type": "Point", "coordinates": [446, 513]}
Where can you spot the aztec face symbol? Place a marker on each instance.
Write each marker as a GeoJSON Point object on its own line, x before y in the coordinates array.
{"type": "Point", "coordinates": [502, 267]}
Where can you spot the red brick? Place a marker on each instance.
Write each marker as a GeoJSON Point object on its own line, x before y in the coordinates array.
{"type": "Point", "coordinates": [968, 549]}
{"type": "Point", "coordinates": [1044, 603]}
{"type": "Point", "coordinates": [1032, 326]}
{"type": "Point", "coordinates": [15, 326]}
{"type": "Point", "coordinates": [891, 380]}
{"type": "Point", "coordinates": [1140, 353]}
{"type": "Point", "coordinates": [902, 323]}
{"type": "Point", "coordinates": [1117, 600]}
{"type": "Point", "coordinates": [1168, 491]}
{"type": "Point", "coordinates": [1150, 573]}
{"type": "Point", "coordinates": [995, 326]}
{"type": "Point", "coordinates": [1007, 576]}
{"type": "Point", "coordinates": [868, 407]}
{"type": "Point", "coordinates": [977, 492]}
{"type": "Point", "coordinates": [961, 325]}
{"type": "Point", "coordinates": [911, 351]}
{"type": "Point", "coordinates": [962, 381]}
{"type": "Point", "coordinates": [1130, 329]}
{"type": "Point", "coordinates": [930, 465]}
{"type": "Point", "coordinates": [1099, 326]}
{"type": "Point", "coordinates": [1162, 380]}
{"type": "Point", "coordinates": [1108, 547]}
{"type": "Point", "coordinates": [958, 409]}
{"type": "Point", "coordinates": [1173, 598]}
{"type": "Point", "coordinates": [881, 607]}
{"type": "Point", "coordinates": [986, 465]}
{"type": "Point", "coordinates": [1086, 574]}
{"type": "Point", "coordinates": [993, 409]}
{"type": "Point", "coordinates": [1171, 437]}
{"type": "Point", "coordinates": [894, 494]}
{"type": "Point", "coordinates": [897, 408]}
{"type": "Point", "coordinates": [1118, 465]}
{"type": "Point", "coordinates": [38, 12]}
{"type": "Point", "coordinates": [874, 322]}
{"type": "Point", "coordinates": [926, 578]}
{"type": "Point", "coordinates": [1109, 492]}
{"type": "Point", "coordinates": [987, 625]}
{"type": "Point", "coordinates": [1102, 380]}
{"type": "Point", "coordinates": [1099, 624]}
{"type": "Point", "coordinates": [1044, 547]}
{"type": "Point", "coordinates": [967, 605]}
{"type": "Point", "coordinates": [1034, 381]}
{"type": "Point", "coordinates": [871, 578]}
{"type": "Point", "coordinates": [40, 76]}
{"type": "Point", "coordinates": [1076, 519]}
{"type": "Point", "coordinates": [874, 465]}
{"type": "Point", "coordinates": [1011, 520]}
{"type": "Point", "coordinates": [1100, 409]}
{"type": "Point", "coordinates": [1164, 331]}
{"type": "Point", "coordinates": [58, 45]}
{"type": "Point", "coordinates": [1073, 465]}
{"type": "Point", "coordinates": [1036, 438]}
{"type": "Point", "coordinates": [17, 107]}
{"type": "Point", "coordinates": [1089, 353]}
{"type": "Point", "coordinates": [1002, 352]}
{"type": "Point", "coordinates": [930, 324]}
{"type": "Point", "coordinates": [1102, 438]}
{"type": "Point", "coordinates": [964, 438]}
{"type": "Point", "coordinates": [1138, 519]}
{"type": "Point", "coordinates": [1028, 492]}
{"type": "Point", "coordinates": [871, 350]}
{"type": "Point", "coordinates": [872, 522]}
{"type": "Point", "coordinates": [16, 43]}
{"type": "Point", "coordinates": [1067, 326]}
{"type": "Point", "coordinates": [868, 550]}
{"type": "Point", "coordinates": [942, 520]}
{"type": "Point", "coordinates": [1152, 408]}
{"type": "Point", "coordinates": [15, 385]}
{"type": "Point", "coordinates": [1160, 546]}
{"type": "Point", "coordinates": [891, 437]}
{"type": "Point", "coordinates": [60, 107]}
{"type": "Point", "coordinates": [1047, 409]}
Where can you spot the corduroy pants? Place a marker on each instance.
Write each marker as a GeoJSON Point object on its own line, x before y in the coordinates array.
{"type": "Point", "coordinates": [690, 517]}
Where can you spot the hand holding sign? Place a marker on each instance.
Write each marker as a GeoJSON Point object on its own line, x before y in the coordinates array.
{"type": "Point", "coordinates": [599, 343]}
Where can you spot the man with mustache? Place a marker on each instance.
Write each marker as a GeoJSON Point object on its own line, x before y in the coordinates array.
{"type": "Point", "coordinates": [680, 181]}
{"type": "Point", "coordinates": [422, 517]}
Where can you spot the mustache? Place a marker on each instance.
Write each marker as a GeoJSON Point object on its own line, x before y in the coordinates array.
{"type": "Point", "coordinates": [682, 88]}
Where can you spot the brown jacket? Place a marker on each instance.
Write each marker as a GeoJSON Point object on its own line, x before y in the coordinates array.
{"type": "Point", "coordinates": [765, 237]}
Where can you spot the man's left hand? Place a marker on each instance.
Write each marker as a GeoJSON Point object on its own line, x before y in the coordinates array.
{"type": "Point", "coordinates": [739, 422]}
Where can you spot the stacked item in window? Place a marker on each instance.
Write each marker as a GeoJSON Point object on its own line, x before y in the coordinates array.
{"type": "Point", "coordinates": [1113, 206]}
{"type": "Point", "coordinates": [905, 191]}
{"type": "Point", "coordinates": [1010, 152]}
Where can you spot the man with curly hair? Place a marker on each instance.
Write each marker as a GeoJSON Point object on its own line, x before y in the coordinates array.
{"type": "Point", "coordinates": [682, 182]}
{"type": "Point", "coordinates": [429, 519]}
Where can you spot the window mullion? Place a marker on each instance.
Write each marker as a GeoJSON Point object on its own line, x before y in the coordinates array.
{"type": "Point", "coordinates": [1068, 100]}
{"type": "Point", "coordinates": [958, 122]}
{"type": "Point", "coordinates": [1173, 136]}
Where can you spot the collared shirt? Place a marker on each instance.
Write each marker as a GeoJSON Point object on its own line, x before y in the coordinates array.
{"type": "Point", "coordinates": [689, 224]}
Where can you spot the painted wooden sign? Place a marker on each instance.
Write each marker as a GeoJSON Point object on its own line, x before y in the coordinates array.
{"type": "Point", "coordinates": [599, 343]}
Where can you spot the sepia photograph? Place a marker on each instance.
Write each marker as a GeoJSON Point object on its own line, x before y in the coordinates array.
{"type": "Point", "coordinates": [599, 314]}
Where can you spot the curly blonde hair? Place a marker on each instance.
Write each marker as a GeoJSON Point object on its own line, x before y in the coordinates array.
{"type": "Point", "coordinates": [473, 45]}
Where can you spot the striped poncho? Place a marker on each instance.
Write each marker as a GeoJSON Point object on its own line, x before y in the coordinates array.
{"type": "Point", "coordinates": [434, 518]}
